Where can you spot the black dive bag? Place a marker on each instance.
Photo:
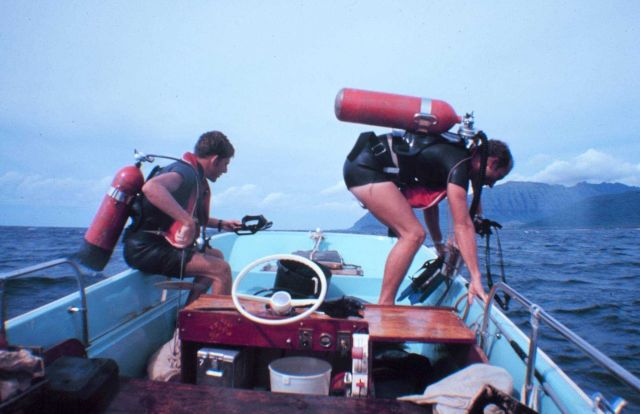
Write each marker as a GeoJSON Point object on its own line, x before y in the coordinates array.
{"type": "Point", "coordinates": [299, 280]}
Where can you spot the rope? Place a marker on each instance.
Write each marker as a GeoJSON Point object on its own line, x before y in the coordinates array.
{"type": "Point", "coordinates": [486, 231]}
{"type": "Point", "coordinates": [176, 341]}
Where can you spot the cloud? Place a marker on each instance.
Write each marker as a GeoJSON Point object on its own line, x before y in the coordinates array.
{"type": "Point", "coordinates": [30, 189]}
{"type": "Point", "coordinates": [328, 206]}
{"type": "Point", "coordinates": [337, 188]}
{"type": "Point", "coordinates": [591, 166]}
{"type": "Point", "coordinates": [249, 196]}
{"type": "Point", "coordinates": [244, 194]}
{"type": "Point", "coordinates": [276, 199]}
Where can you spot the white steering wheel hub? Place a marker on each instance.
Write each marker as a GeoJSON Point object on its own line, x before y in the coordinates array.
{"type": "Point", "coordinates": [281, 303]}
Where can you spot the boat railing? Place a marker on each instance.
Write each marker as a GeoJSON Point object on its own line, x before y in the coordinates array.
{"type": "Point", "coordinates": [538, 314]}
{"type": "Point", "coordinates": [6, 277]}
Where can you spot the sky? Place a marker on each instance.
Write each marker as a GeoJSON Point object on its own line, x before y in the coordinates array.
{"type": "Point", "coordinates": [83, 84]}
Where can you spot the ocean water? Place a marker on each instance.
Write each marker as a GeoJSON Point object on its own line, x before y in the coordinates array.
{"type": "Point", "coordinates": [588, 280]}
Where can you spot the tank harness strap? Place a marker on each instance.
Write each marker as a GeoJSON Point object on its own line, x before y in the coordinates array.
{"type": "Point", "coordinates": [483, 147]}
{"type": "Point", "coordinates": [136, 211]}
{"type": "Point", "coordinates": [389, 147]}
{"type": "Point", "coordinates": [380, 148]}
{"type": "Point", "coordinates": [394, 157]}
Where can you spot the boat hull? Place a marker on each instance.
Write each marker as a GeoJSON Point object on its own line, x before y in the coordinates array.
{"type": "Point", "coordinates": [129, 320]}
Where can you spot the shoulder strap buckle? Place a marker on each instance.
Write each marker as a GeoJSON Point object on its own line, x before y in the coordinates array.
{"type": "Point", "coordinates": [378, 149]}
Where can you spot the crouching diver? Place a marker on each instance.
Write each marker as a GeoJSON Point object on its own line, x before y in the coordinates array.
{"type": "Point", "coordinates": [378, 168]}
{"type": "Point", "coordinates": [173, 205]}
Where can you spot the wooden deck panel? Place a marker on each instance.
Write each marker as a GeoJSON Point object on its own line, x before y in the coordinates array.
{"type": "Point", "coordinates": [415, 323]}
{"type": "Point", "coordinates": [385, 323]}
{"type": "Point", "coordinates": [214, 320]}
{"type": "Point", "coordinates": [141, 396]}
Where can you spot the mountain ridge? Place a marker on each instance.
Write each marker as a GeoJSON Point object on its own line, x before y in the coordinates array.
{"type": "Point", "coordinates": [529, 204]}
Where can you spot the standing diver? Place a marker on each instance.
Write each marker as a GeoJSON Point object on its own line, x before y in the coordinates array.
{"type": "Point", "coordinates": [374, 171]}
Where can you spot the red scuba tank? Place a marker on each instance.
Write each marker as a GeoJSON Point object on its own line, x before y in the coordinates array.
{"type": "Point", "coordinates": [103, 233]}
{"type": "Point", "coordinates": [394, 111]}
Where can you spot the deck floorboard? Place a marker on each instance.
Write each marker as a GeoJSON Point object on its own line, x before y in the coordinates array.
{"type": "Point", "coordinates": [416, 323]}
{"type": "Point", "coordinates": [143, 396]}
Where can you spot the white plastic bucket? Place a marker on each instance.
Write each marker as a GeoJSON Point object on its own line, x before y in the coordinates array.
{"type": "Point", "coordinates": [300, 375]}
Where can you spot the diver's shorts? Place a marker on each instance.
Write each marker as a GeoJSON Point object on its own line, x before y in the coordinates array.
{"type": "Point", "coordinates": [151, 253]}
{"type": "Point", "coordinates": [361, 167]}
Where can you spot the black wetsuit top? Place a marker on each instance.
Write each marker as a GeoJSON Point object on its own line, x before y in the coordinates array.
{"type": "Point", "coordinates": [155, 219]}
{"type": "Point", "coordinates": [435, 165]}
{"type": "Point", "coordinates": [144, 248]}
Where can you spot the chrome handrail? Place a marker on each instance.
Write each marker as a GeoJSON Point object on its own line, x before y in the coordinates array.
{"type": "Point", "coordinates": [5, 277]}
{"type": "Point", "coordinates": [538, 314]}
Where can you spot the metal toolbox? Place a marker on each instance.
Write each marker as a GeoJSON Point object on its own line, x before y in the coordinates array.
{"type": "Point", "coordinates": [223, 367]}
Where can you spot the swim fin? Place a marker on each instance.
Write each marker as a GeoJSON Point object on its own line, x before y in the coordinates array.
{"type": "Point", "coordinates": [428, 278]}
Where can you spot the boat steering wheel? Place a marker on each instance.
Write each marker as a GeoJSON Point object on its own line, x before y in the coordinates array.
{"type": "Point", "coordinates": [280, 302]}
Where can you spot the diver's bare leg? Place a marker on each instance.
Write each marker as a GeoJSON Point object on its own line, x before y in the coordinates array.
{"type": "Point", "coordinates": [388, 205]}
{"type": "Point", "coordinates": [210, 269]}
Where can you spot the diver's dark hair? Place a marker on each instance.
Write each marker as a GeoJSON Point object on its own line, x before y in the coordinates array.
{"type": "Point", "coordinates": [214, 143]}
{"type": "Point", "coordinates": [501, 151]}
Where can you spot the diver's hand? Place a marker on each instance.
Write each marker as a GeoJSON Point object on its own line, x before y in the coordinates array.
{"type": "Point", "coordinates": [186, 234]}
{"type": "Point", "coordinates": [231, 225]}
{"type": "Point", "coordinates": [483, 225]}
{"type": "Point", "coordinates": [476, 289]}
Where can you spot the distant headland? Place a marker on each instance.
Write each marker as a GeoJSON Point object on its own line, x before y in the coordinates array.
{"type": "Point", "coordinates": [538, 205]}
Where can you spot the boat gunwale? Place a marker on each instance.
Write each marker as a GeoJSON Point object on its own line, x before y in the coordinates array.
{"type": "Point", "coordinates": [549, 370]}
